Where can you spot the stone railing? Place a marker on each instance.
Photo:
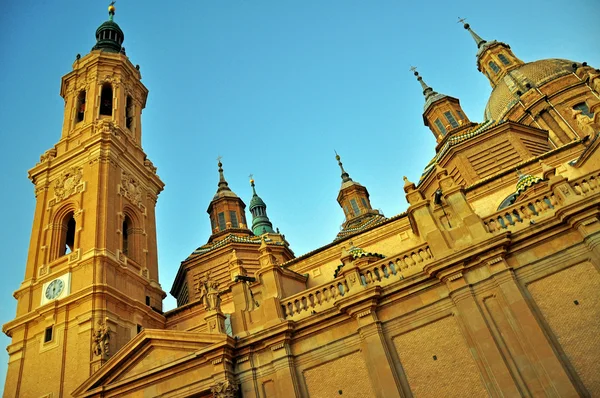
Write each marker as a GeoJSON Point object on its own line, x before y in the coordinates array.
{"type": "Point", "coordinates": [586, 185]}
{"type": "Point", "coordinates": [395, 265]}
{"type": "Point", "coordinates": [521, 213]}
{"type": "Point", "coordinates": [317, 298]}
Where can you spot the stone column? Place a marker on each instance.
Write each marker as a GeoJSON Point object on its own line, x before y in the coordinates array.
{"type": "Point", "coordinates": [540, 368]}
{"type": "Point", "coordinates": [384, 379]}
{"type": "Point", "coordinates": [494, 370]}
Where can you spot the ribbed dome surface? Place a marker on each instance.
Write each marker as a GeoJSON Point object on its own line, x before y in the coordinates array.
{"type": "Point", "coordinates": [504, 96]}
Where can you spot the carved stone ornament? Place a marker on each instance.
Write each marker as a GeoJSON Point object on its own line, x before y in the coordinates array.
{"type": "Point", "coordinates": [48, 155]}
{"type": "Point", "coordinates": [101, 340]}
{"type": "Point", "coordinates": [224, 389]}
{"type": "Point", "coordinates": [207, 290]}
{"type": "Point", "coordinates": [68, 183]}
{"type": "Point", "coordinates": [105, 126]}
{"type": "Point", "coordinates": [130, 188]}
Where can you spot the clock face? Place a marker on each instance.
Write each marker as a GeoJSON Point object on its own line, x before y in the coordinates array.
{"type": "Point", "coordinates": [54, 289]}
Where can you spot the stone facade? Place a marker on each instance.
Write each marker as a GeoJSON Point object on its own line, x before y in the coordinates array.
{"type": "Point", "coordinates": [479, 289]}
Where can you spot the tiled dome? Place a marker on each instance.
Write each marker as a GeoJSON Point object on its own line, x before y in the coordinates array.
{"type": "Point", "coordinates": [537, 73]}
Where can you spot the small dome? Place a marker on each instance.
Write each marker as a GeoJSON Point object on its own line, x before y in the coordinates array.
{"type": "Point", "coordinates": [256, 201]}
{"type": "Point", "coordinates": [526, 181]}
{"type": "Point", "coordinates": [504, 96]}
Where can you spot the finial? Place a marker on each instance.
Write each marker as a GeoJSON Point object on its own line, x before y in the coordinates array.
{"type": "Point", "coordinates": [111, 10]}
{"type": "Point", "coordinates": [478, 40]}
{"type": "Point", "coordinates": [222, 183]}
{"type": "Point", "coordinates": [427, 91]}
{"type": "Point", "coordinates": [345, 175]}
{"type": "Point", "coordinates": [251, 176]}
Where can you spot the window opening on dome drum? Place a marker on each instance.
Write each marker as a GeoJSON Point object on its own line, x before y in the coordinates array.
{"type": "Point", "coordinates": [503, 59]}
{"type": "Point", "coordinates": [233, 218]}
{"type": "Point", "coordinates": [440, 126]}
{"type": "Point", "coordinates": [460, 115]}
{"type": "Point", "coordinates": [354, 207]}
{"type": "Point", "coordinates": [450, 117]}
{"type": "Point", "coordinates": [494, 67]}
{"type": "Point", "coordinates": [221, 217]}
{"type": "Point", "coordinates": [80, 106]}
{"type": "Point", "coordinates": [129, 112]}
{"type": "Point", "coordinates": [585, 110]}
{"type": "Point", "coordinates": [364, 202]}
{"type": "Point", "coordinates": [106, 99]}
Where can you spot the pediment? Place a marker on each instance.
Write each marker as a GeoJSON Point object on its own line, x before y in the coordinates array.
{"type": "Point", "coordinates": [149, 354]}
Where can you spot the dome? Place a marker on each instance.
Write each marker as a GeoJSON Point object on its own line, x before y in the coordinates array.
{"type": "Point", "coordinates": [526, 181]}
{"type": "Point", "coordinates": [109, 37]}
{"type": "Point", "coordinates": [256, 201]}
{"type": "Point", "coordinates": [536, 74]}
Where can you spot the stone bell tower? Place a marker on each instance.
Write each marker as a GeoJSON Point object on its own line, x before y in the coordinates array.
{"type": "Point", "coordinates": [91, 278]}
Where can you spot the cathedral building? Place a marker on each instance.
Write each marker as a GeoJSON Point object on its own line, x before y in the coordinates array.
{"type": "Point", "coordinates": [488, 285]}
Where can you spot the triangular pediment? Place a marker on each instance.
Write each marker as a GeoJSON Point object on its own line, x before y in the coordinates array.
{"type": "Point", "coordinates": [152, 353]}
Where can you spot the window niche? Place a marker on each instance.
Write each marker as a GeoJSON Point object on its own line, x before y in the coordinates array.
{"type": "Point", "coordinates": [495, 68]}
{"type": "Point", "coordinates": [106, 100]}
{"type": "Point", "coordinates": [503, 59]}
{"type": "Point", "coordinates": [129, 113]}
{"type": "Point", "coordinates": [585, 110]}
{"type": "Point", "coordinates": [80, 109]}
{"type": "Point", "coordinates": [66, 235]}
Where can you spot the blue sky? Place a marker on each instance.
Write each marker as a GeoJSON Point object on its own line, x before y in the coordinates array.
{"type": "Point", "coordinates": [273, 87]}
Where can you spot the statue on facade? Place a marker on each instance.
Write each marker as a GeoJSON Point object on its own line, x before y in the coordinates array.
{"type": "Point", "coordinates": [208, 291]}
{"type": "Point", "coordinates": [101, 338]}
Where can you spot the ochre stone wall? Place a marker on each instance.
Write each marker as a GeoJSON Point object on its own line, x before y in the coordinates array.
{"type": "Point", "coordinates": [453, 373]}
{"type": "Point", "coordinates": [348, 374]}
{"type": "Point", "coordinates": [576, 327]}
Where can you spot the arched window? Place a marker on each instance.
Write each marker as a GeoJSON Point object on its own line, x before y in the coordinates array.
{"type": "Point", "coordinates": [106, 100]}
{"type": "Point", "coordinates": [129, 112]}
{"type": "Point", "coordinates": [503, 59]}
{"type": "Point", "coordinates": [80, 106]}
{"type": "Point", "coordinates": [450, 118]}
{"type": "Point", "coordinates": [126, 238]}
{"type": "Point", "coordinates": [67, 235]}
{"type": "Point", "coordinates": [440, 126]}
{"type": "Point", "coordinates": [494, 67]}
{"type": "Point", "coordinates": [585, 110]}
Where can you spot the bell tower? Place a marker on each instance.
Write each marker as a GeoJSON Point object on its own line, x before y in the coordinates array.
{"type": "Point", "coordinates": [91, 278]}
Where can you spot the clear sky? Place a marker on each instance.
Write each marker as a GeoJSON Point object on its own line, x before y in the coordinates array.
{"type": "Point", "coordinates": [273, 86]}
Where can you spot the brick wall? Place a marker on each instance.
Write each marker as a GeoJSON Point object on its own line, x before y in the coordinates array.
{"type": "Point", "coordinates": [347, 374]}
{"type": "Point", "coordinates": [575, 326]}
{"type": "Point", "coordinates": [453, 372]}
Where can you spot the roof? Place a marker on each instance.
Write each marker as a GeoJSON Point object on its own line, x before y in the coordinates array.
{"type": "Point", "coordinates": [505, 95]}
{"type": "Point", "coordinates": [256, 240]}
{"type": "Point", "coordinates": [360, 225]}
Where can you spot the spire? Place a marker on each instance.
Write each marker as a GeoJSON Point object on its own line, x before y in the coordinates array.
{"type": "Point", "coordinates": [223, 186]}
{"type": "Point", "coordinates": [345, 175]}
{"type": "Point", "coordinates": [109, 36]}
{"type": "Point", "coordinates": [478, 40]}
{"type": "Point", "coordinates": [428, 92]}
{"type": "Point", "coordinates": [260, 221]}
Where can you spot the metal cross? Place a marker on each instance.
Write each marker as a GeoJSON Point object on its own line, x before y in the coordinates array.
{"type": "Point", "coordinates": [251, 176]}
{"type": "Point", "coordinates": [112, 3]}
{"type": "Point", "coordinates": [461, 20]}
{"type": "Point", "coordinates": [219, 158]}
{"type": "Point", "coordinates": [413, 68]}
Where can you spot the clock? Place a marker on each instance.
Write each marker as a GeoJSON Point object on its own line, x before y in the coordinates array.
{"type": "Point", "coordinates": [57, 288]}
{"type": "Point", "coordinates": [54, 289]}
